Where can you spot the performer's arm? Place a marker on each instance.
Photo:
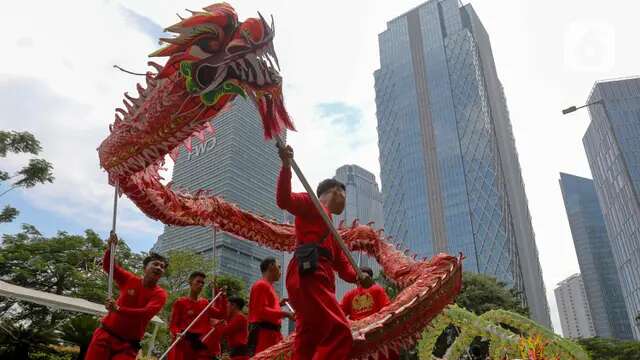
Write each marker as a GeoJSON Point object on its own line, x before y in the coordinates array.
{"type": "Point", "coordinates": [234, 325]}
{"type": "Point", "coordinates": [219, 308]}
{"type": "Point", "coordinates": [153, 306]}
{"type": "Point", "coordinates": [295, 203]}
{"type": "Point", "coordinates": [263, 311]}
{"type": "Point", "coordinates": [343, 266]}
{"type": "Point", "coordinates": [176, 314]}
{"type": "Point", "coordinates": [120, 275]}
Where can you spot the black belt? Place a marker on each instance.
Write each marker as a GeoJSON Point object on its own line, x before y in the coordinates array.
{"type": "Point", "coordinates": [254, 329]}
{"type": "Point", "coordinates": [241, 350]}
{"type": "Point", "coordinates": [265, 325]}
{"type": "Point", "coordinates": [322, 251]}
{"type": "Point", "coordinates": [194, 340]}
{"type": "Point", "coordinates": [135, 344]}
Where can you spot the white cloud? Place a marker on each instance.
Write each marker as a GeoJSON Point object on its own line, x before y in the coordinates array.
{"type": "Point", "coordinates": [328, 52]}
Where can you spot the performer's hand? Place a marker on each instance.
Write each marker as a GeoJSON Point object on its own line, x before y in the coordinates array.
{"type": "Point", "coordinates": [111, 305]}
{"type": "Point", "coordinates": [113, 239]}
{"type": "Point", "coordinates": [286, 155]}
{"type": "Point", "coordinates": [290, 316]}
{"type": "Point", "coordinates": [284, 302]}
{"type": "Point", "coordinates": [365, 280]}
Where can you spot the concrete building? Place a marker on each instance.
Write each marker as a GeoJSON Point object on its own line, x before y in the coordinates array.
{"type": "Point", "coordinates": [573, 307]}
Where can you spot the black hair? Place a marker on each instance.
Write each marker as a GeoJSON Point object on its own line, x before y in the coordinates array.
{"type": "Point", "coordinates": [153, 257]}
{"type": "Point", "coordinates": [237, 301]}
{"type": "Point", "coordinates": [366, 269]}
{"type": "Point", "coordinates": [196, 274]}
{"type": "Point", "coordinates": [264, 265]}
{"type": "Point", "coordinates": [328, 184]}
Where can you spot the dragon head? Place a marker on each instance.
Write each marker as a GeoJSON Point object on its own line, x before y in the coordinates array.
{"type": "Point", "coordinates": [216, 55]}
{"type": "Point", "coordinates": [212, 59]}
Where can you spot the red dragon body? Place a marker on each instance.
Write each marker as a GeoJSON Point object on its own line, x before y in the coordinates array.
{"type": "Point", "coordinates": [213, 59]}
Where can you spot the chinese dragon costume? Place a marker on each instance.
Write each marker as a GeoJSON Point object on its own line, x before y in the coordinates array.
{"type": "Point", "coordinates": [212, 59]}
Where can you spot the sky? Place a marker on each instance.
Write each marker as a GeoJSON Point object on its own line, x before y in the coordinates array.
{"type": "Point", "coordinates": [57, 81]}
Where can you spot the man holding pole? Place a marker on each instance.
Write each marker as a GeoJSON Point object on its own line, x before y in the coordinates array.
{"type": "Point", "coordinates": [322, 331]}
{"type": "Point", "coordinates": [140, 299]}
{"type": "Point", "coordinates": [184, 311]}
{"type": "Point", "coordinates": [265, 316]}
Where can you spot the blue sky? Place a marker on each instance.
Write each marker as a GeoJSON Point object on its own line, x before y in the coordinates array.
{"type": "Point", "coordinates": [57, 81]}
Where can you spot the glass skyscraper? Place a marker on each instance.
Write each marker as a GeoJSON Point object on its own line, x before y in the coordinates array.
{"type": "Point", "coordinates": [241, 167]}
{"type": "Point", "coordinates": [597, 267]}
{"type": "Point", "coordinates": [364, 203]}
{"type": "Point", "coordinates": [450, 174]}
{"type": "Point", "coordinates": [612, 144]}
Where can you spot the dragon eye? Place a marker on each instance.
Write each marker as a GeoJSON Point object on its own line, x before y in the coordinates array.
{"type": "Point", "coordinates": [209, 43]}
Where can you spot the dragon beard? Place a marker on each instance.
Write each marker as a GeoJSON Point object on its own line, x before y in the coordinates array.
{"type": "Point", "coordinates": [213, 59]}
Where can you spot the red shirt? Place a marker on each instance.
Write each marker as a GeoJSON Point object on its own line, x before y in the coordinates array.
{"type": "Point", "coordinates": [360, 302]}
{"type": "Point", "coordinates": [236, 330]}
{"type": "Point", "coordinates": [137, 303]}
{"type": "Point", "coordinates": [264, 304]}
{"type": "Point", "coordinates": [309, 225]}
{"type": "Point", "coordinates": [184, 310]}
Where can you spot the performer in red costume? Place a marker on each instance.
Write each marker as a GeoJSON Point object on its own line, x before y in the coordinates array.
{"type": "Point", "coordinates": [265, 316]}
{"type": "Point", "coordinates": [119, 335]}
{"type": "Point", "coordinates": [361, 302]}
{"type": "Point", "coordinates": [183, 312]}
{"type": "Point", "coordinates": [235, 330]}
{"type": "Point", "coordinates": [322, 331]}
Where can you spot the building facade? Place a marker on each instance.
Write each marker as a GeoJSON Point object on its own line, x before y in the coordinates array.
{"type": "Point", "coordinates": [597, 267]}
{"type": "Point", "coordinates": [612, 144]}
{"type": "Point", "coordinates": [364, 203]}
{"type": "Point", "coordinates": [450, 174]}
{"type": "Point", "coordinates": [575, 316]}
{"type": "Point", "coordinates": [238, 165]}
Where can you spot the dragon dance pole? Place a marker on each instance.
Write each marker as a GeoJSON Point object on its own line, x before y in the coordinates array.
{"type": "Point", "coordinates": [213, 290]}
{"type": "Point", "coordinates": [112, 249]}
{"type": "Point", "coordinates": [318, 206]}
{"type": "Point", "coordinates": [185, 331]}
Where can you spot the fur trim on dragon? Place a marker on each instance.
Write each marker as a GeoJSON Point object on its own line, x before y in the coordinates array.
{"type": "Point", "coordinates": [212, 59]}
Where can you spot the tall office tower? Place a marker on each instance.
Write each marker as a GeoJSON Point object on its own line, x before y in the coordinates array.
{"type": "Point", "coordinates": [364, 203]}
{"type": "Point", "coordinates": [450, 174]}
{"type": "Point", "coordinates": [597, 268]}
{"type": "Point", "coordinates": [612, 144]}
{"type": "Point", "coordinates": [573, 307]}
{"type": "Point", "coordinates": [238, 165]}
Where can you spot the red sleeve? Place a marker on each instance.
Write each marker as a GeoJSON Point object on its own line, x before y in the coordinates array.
{"type": "Point", "coordinates": [346, 303]}
{"type": "Point", "coordinates": [219, 308]}
{"type": "Point", "coordinates": [176, 314]}
{"type": "Point", "coordinates": [382, 299]}
{"type": "Point", "coordinates": [295, 203]}
{"type": "Point", "coordinates": [153, 306]}
{"type": "Point", "coordinates": [120, 275]}
{"type": "Point", "coordinates": [233, 326]}
{"type": "Point", "coordinates": [261, 293]}
{"type": "Point", "coordinates": [342, 264]}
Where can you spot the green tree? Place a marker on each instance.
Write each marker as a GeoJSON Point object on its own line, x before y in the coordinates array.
{"type": "Point", "coordinates": [37, 171]}
{"type": "Point", "coordinates": [611, 349]}
{"type": "Point", "coordinates": [78, 331]}
{"type": "Point", "coordinates": [65, 264]}
{"type": "Point", "coordinates": [481, 293]}
{"type": "Point", "coordinates": [20, 341]}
